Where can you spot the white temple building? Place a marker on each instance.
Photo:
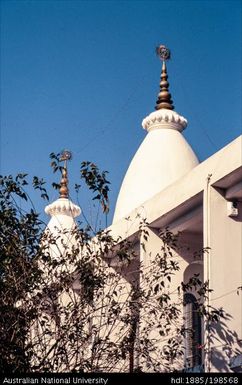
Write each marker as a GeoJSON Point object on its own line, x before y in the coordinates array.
{"type": "Point", "coordinates": [166, 185]}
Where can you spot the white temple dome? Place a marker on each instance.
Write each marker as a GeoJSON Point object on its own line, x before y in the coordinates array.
{"type": "Point", "coordinates": [62, 213]}
{"type": "Point", "coordinates": [162, 158]}
{"type": "Point", "coordinates": [60, 232]}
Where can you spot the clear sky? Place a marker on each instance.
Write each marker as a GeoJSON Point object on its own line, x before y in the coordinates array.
{"type": "Point", "coordinates": [82, 75]}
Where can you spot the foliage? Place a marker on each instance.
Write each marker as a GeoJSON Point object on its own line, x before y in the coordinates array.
{"type": "Point", "coordinates": [71, 302]}
{"type": "Point", "coordinates": [20, 234]}
{"type": "Point", "coordinates": [96, 182]}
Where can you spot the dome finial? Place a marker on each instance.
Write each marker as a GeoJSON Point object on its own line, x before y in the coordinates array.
{"type": "Point", "coordinates": [164, 97]}
{"type": "Point", "coordinates": [64, 191]}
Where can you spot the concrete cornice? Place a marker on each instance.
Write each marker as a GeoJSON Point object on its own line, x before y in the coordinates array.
{"type": "Point", "coordinates": [164, 119]}
{"type": "Point", "coordinates": [63, 206]}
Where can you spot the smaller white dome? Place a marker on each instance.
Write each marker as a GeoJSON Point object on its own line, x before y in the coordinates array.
{"type": "Point", "coordinates": [62, 212]}
{"type": "Point", "coordinates": [162, 158]}
{"type": "Point", "coordinates": [59, 235]}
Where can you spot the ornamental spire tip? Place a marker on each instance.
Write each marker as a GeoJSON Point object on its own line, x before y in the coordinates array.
{"type": "Point", "coordinates": [163, 52]}
{"type": "Point", "coordinates": [164, 100]}
{"type": "Point", "coordinates": [64, 191]}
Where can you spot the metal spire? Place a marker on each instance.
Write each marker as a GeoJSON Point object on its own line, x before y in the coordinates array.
{"type": "Point", "coordinates": [164, 97]}
{"type": "Point", "coordinates": [64, 191]}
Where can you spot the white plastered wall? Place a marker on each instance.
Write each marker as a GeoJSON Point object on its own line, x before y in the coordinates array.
{"type": "Point", "coordinates": [223, 268]}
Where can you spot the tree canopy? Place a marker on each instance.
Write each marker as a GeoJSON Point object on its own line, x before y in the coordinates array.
{"type": "Point", "coordinates": [90, 305]}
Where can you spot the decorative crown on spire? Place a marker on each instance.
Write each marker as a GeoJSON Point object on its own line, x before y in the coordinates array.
{"type": "Point", "coordinates": [64, 191]}
{"type": "Point", "coordinates": [63, 207]}
{"type": "Point", "coordinates": [164, 97]}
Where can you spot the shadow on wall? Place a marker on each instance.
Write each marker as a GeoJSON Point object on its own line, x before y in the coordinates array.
{"type": "Point", "coordinates": [226, 345]}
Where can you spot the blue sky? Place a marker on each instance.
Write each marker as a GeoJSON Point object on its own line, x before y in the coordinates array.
{"type": "Point", "coordinates": [82, 75]}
